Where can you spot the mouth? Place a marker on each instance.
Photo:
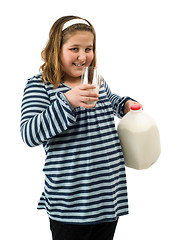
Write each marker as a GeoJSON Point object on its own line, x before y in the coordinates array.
{"type": "Point", "coordinates": [79, 65]}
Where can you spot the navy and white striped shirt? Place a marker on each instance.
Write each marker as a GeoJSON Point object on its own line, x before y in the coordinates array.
{"type": "Point", "coordinates": [85, 180]}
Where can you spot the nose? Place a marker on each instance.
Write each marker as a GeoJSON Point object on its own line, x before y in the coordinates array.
{"type": "Point", "coordinates": [82, 56]}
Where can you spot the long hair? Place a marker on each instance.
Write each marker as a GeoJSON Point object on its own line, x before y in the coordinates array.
{"type": "Point", "coordinates": [52, 70]}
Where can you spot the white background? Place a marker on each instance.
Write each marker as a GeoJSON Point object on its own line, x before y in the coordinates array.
{"type": "Point", "coordinates": [138, 55]}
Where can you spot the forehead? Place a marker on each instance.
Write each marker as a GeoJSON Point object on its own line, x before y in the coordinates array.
{"type": "Point", "coordinates": [79, 38]}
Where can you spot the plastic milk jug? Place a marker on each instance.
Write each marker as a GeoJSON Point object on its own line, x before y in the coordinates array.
{"type": "Point", "coordinates": [139, 137]}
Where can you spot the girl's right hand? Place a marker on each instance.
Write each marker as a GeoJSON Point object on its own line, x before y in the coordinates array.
{"type": "Point", "coordinates": [78, 95]}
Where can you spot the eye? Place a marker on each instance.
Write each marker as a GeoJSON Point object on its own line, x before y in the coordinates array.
{"type": "Point", "coordinates": [88, 50]}
{"type": "Point", "coordinates": [74, 49]}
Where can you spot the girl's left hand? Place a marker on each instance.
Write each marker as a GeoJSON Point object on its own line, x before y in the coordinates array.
{"type": "Point", "coordinates": [128, 105]}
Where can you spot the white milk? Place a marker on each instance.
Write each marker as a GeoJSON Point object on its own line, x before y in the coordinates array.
{"type": "Point", "coordinates": [140, 140]}
{"type": "Point", "coordinates": [96, 90]}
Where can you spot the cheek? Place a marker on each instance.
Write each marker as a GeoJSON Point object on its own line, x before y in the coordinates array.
{"type": "Point", "coordinates": [91, 56]}
{"type": "Point", "coordinates": [66, 58]}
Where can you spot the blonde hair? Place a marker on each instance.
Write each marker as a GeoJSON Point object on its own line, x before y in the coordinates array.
{"type": "Point", "coordinates": [52, 70]}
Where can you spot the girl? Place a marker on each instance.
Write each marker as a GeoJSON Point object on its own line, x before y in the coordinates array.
{"type": "Point", "coordinates": [85, 183]}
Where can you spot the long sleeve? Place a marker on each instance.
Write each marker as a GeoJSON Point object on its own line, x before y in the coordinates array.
{"type": "Point", "coordinates": [41, 119]}
{"type": "Point", "coordinates": [117, 102]}
{"type": "Point", "coordinates": [83, 157]}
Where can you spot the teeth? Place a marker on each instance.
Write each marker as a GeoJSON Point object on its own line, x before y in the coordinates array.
{"type": "Point", "coordinates": [79, 65]}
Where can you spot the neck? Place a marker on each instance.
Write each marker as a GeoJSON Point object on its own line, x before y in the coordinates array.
{"type": "Point", "coordinates": [72, 82]}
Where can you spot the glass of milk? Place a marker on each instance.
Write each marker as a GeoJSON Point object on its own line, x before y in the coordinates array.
{"type": "Point", "coordinates": [90, 75]}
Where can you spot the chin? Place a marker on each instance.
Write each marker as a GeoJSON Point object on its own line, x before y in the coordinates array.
{"type": "Point", "coordinates": [77, 73]}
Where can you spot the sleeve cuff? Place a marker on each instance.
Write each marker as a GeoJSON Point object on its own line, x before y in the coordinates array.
{"type": "Point", "coordinates": [62, 97]}
{"type": "Point", "coordinates": [121, 105]}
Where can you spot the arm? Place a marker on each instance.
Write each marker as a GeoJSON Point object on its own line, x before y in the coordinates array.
{"type": "Point", "coordinates": [120, 105]}
{"type": "Point", "coordinates": [41, 119]}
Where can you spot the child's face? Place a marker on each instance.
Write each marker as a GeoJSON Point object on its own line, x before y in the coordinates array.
{"type": "Point", "coordinates": [76, 53]}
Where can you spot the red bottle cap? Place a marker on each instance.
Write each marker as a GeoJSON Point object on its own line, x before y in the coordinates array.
{"type": "Point", "coordinates": [136, 107]}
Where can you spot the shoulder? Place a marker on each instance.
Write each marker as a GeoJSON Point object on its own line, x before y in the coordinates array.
{"type": "Point", "coordinates": [35, 86]}
{"type": "Point", "coordinates": [35, 83]}
{"type": "Point", "coordinates": [35, 80]}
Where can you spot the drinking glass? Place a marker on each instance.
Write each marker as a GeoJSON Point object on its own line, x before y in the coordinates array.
{"type": "Point", "coordinates": [90, 75]}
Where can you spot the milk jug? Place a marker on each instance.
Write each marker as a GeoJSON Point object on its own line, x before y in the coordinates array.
{"type": "Point", "coordinates": [139, 137]}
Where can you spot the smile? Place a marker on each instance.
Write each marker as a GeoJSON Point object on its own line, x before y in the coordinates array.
{"type": "Point", "coordinates": [79, 65]}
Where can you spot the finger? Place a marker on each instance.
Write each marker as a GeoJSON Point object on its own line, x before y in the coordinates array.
{"type": "Point", "coordinates": [138, 103]}
{"type": "Point", "coordinates": [89, 99]}
{"type": "Point", "coordinates": [88, 93]}
{"type": "Point", "coordinates": [84, 105]}
{"type": "Point", "coordinates": [87, 86]}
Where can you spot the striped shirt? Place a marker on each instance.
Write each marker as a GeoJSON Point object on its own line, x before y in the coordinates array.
{"type": "Point", "coordinates": [85, 180]}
